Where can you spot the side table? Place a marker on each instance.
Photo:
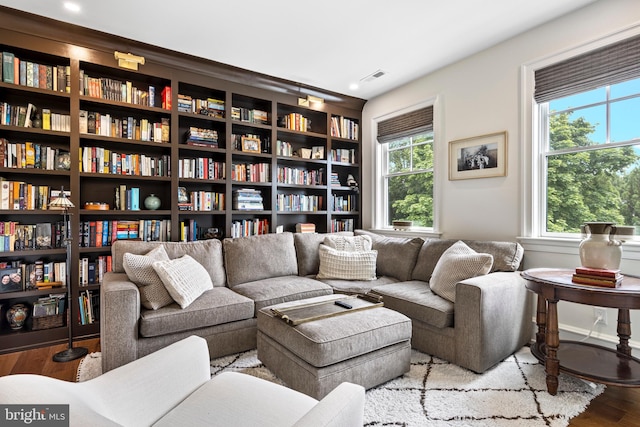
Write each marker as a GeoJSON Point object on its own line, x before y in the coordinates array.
{"type": "Point", "coordinates": [587, 361]}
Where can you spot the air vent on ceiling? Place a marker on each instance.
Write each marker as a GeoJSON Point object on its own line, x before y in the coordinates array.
{"type": "Point", "coordinates": [375, 75]}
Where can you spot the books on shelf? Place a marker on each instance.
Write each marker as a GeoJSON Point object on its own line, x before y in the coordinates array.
{"type": "Point", "coordinates": [201, 137]}
{"type": "Point", "coordinates": [247, 199]}
{"type": "Point", "coordinates": [597, 277]}
{"type": "Point", "coordinates": [32, 74]}
{"type": "Point", "coordinates": [306, 227]}
{"type": "Point", "coordinates": [211, 107]}
{"type": "Point", "coordinates": [249, 227]}
{"type": "Point", "coordinates": [342, 127]}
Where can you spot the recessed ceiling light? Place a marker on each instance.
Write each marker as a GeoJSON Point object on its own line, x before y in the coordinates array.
{"type": "Point", "coordinates": [353, 86]}
{"type": "Point", "coordinates": [72, 7]}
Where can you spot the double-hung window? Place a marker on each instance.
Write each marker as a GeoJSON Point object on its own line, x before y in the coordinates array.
{"type": "Point", "coordinates": [589, 139]}
{"type": "Point", "coordinates": [407, 168]}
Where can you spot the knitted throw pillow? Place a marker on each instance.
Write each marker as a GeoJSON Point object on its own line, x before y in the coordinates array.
{"type": "Point", "coordinates": [347, 265]}
{"type": "Point", "coordinates": [185, 279]}
{"type": "Point", "coordinates": [457, 263]}
{"type": "Point", "coordinates": [139, 269]}
{"type": "Point", "coordinates": [348, 243]}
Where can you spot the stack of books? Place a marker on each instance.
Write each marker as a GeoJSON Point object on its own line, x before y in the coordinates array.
{"type": "Point", "coordinates": [305, 227]}
{"type": "Point", "coordinates": [247, 199]}
{"type": "Point", "coordinates": [202, 137]}
{"type": "Point", "coordinates": [597, 277]}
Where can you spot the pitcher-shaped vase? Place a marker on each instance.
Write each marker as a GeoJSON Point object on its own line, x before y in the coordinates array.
{"type": "Point", "coordinates": [598, 248]}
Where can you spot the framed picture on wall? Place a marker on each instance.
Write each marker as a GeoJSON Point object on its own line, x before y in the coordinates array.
{"type": "Point", "coordinates": [478, 157]}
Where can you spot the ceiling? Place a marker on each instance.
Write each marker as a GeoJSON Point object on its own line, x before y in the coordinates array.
{"type": "Point", "coordinates": [328, 44]}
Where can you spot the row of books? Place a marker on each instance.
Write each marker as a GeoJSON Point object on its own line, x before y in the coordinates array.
{"type": "Point", "coordinates": [116, 90]}
{"type": "Point", "coordinates": [344, 203]}
{"type": "Point", "coordinates": [18, 195]}
{"type": "Point", "coordinates": [342, 225]}
{"type": "Point", "coordinates": [250, 115]}
{"type": "Point", "coordinates": [19, 276]}
{"type": "Point", "coordinates": [211, 107]}
{"type": "Point", "coordinates": [201, 168]}
{"type": "Point", "coordinates": [203, 201]}
{"type": "Point", "coordinates": [298, 203]}
{"type": "Point", "coordinates": [247, 199]}
{"type": "Point", "coordinates": [343, 155]}
{"type": "Point", "coordinates": [249, 227]}
{"type": "Point", "coordinates": [295, 121]}
{"type": "Point", "coordinates": [297, 176]}
{"type": "Point", "coordinates": [32, 74]}
{"type": "Point", "coordinates": [89, 307]}
{"type": "Point", "coordinates": [49, 305]}
{"type": "Point", "coordinates": [94, 123]}
{"type": "Point", "coordinates": [342, 127]}
{"type": "Point", "coordinates": [24, 155]}
{"type": "Point", "coordinates": [92, 272]}
{"type": "Point", "coordinates": [251, 172]}
{"type": "Point", "coordinates": [102, 233]}
{"type": "Point", "coordinates": [22, 116]}
{"type": "Point", "coordinates": [103, 160]}
{"type": "Point", "coordinates": [202, 137]}
{"type": "Point", "coordinates": [597, 277]}
{"type": "Point", "coordinates": [23, 237]}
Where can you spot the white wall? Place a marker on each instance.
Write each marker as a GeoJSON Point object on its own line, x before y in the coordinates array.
{"type": "Point", "coordinates": [481, 95]}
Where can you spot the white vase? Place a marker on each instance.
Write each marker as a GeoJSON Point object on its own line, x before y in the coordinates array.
{"type": "Point", "coordinates": [599, 249]}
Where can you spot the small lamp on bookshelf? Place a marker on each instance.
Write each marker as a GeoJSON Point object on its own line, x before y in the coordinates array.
{"type": "Point", "coordinates": [71, 353]}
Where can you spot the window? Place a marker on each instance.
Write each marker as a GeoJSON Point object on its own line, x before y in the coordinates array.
{"type": "Point", "coordinates": [407, 168]}
{"type": "Point", "coordinates": [590, 139]}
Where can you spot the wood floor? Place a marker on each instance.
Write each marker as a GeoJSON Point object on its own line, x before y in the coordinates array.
{"type": "Point", "coordinates": [617, 406]}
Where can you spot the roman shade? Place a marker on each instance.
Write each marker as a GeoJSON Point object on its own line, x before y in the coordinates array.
{"type": "Point", "coordinates": [406, 124]}
{"type": "Point", "coordinates": [607, 65]}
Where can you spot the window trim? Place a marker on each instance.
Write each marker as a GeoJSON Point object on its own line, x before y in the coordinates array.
{"type": "Point", "coordinates": [533, 216]}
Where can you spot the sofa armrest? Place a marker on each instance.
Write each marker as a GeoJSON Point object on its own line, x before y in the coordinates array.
{"type": "Point", "coordinates": [143, 391]}
{"type": "Point", "coordinates": [493, 318]}
{"type": "Point", "coordinates": [119, 316]}
{"type": "Point", "coordinates": [343, 406]}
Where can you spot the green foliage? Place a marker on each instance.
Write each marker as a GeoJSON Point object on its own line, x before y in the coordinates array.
{"type": "Point", "coordinates": [592, 185]}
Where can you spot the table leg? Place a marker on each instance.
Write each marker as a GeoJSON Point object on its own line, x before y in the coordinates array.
{"type": "Point", "coordinates": [541, 322]}
{"type": "Point", "coordinates": [624, 331]}
{"type": "Point", "coordinates": [552, 340]}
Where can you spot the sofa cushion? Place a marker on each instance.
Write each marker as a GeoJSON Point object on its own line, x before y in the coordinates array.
{"type": "Point", "coordinates": [358, 286]}
{"type": "Point", "coordinates": [216, 306]}
{"type": "Point", "coordinates": [208, 253]}
{"type": "Point", "coordinates": [348, 243]}
{"type": "Point", "coordinates": [184, 278]}
{"type": "Point", "coordinates": [416, 300]}
{"type": "Point", "coordinates": [396, 255]}
{"type": "Point", "coordinates": [248, 259]}
{"type": "Point", "coordinates": [276, 290]}
{"type": "Point", "coordinates": [507, 256]}
{"type": "Point", "coordinates": [307, 251]}
{"type": "Point", "coordinates": [347, 265]}
{"type": "Point", "coordinates": [458, 263]}
{"type": "Point", "coordinates": [139, 269]}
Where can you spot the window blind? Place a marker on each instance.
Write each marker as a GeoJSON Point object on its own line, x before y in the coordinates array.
{"type": "Point", "coordinates": [607, 65]}
{"type": "Point", "coordinates": [406, 124]}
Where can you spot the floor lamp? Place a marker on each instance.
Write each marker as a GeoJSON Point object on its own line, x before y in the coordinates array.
{"type": "Point", "coordinates": [71, 353]}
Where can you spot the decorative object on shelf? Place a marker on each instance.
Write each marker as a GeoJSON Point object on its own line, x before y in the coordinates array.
{"type": "Point", "coordinates": [16, 316]}
{"type": "Point", "coordinates": [96, 206]}
{"type": "Point", "coordinates": [152, 202]}
{"type": "Point", "coordinates": [402, 225]}
{"type": "Point", "coordinates": [11, 280]}
{"type": "Point", "coordinates": [351, 182]}
{"type": "Point", "coordinates": [598, 248]}
{"type": "Point", "coordinates": [214, 233]}
{"type": "Point", "coordinates": [71, 353]}
{"type": "Point", "coordinates": [250, 145]}
{"type": "Point", "coordinates": [37, 121]}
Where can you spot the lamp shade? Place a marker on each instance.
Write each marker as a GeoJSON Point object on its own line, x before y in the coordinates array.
{"type": "Point", "coordinates": [61, 202]}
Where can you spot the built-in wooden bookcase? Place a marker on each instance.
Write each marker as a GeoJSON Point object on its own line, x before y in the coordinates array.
{"type": "Point", "coordinates": [214, 134]}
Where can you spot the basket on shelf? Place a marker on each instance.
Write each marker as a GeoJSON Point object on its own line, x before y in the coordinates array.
{"type": "Point", "coordinates": [47, 322]}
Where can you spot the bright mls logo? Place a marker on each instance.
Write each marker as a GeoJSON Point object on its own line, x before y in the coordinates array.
{"type": "Point", "coordinates": [34, 415]}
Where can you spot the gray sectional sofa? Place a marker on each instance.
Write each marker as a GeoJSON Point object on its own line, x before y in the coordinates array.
{"type": "Point", "coordinates": [490, 318]}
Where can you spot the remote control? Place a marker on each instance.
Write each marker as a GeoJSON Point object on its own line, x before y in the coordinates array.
{"type": "Point", "coordinates": [343, 304]}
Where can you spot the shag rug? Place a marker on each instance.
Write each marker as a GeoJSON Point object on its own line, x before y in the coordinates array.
{"type": "Point", "coordinates": [438, 393]}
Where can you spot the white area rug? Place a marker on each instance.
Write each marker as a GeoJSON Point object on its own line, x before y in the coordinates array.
{"type": "Point", "coordinates": [437, 393]}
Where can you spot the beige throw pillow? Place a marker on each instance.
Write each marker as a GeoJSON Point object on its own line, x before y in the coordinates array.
{"type": "Point", "coordinates": [458, 263]}
{"type": "Point", "coordinates": [346, 265]}
{"type": "Point", "coordinates": [139, 269]}
{"type": "Point", "coordinates": [185, 279]}
{"type": "Point", "coordinates": [348, 243]}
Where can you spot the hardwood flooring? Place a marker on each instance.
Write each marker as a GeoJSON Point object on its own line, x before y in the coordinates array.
{"type": "Point", "coordinates": [617, 406]}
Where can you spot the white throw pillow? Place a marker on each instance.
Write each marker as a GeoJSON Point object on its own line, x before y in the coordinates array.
{"type": "Point", "coordinates": [348, 243]}
{"type": "Point", "coordinates": [185, 279]}
{"type": "Point", "coordinates": [139, 269]}
{"type": "Point", "coordinates": [347, 265]}
{"type": "Point", "coordinates": [458, 263]}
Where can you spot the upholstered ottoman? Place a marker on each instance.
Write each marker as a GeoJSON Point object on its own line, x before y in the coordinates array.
{"type": "Point", "coordinates": [366, 347]}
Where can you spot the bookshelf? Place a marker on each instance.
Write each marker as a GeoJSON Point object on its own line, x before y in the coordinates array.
{"type": "Point", "coordinates": [192, 132]}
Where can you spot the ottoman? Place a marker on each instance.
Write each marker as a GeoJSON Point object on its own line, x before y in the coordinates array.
{"type": "Point", "coordinates": [366, 347]}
